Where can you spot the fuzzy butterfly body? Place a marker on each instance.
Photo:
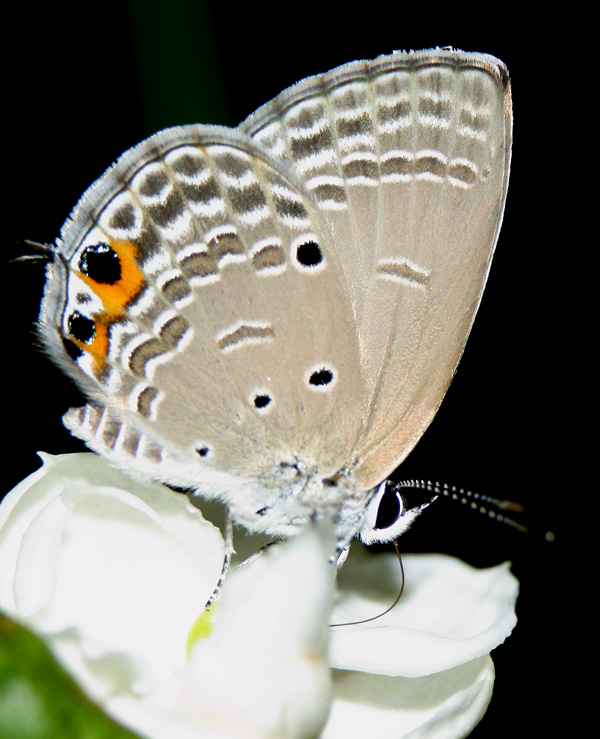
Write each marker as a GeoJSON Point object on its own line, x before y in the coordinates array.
{"type": "Point", "coordinates": [272, 315]}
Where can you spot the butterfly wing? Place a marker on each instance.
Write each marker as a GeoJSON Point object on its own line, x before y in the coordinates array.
{"type": "Point", "coordinates": [251, 312]}
{"type": "Point", "coordinates": [408, 158]}
{"type": "Point", "coordinates": [187, 300]}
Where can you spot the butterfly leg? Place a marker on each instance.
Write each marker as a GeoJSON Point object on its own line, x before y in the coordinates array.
{"type": "Point", "coordinates": [229, 552]}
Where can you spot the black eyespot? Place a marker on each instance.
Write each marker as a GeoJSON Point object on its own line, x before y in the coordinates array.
{"type": "Point", "coordinates": [321, 377]}
{"type": "Point", "coordinates": [81, 328]}
{"type": "Point", "coordinates": [203, 451]}
{"type": "Point", "coordinates": [101, 264]}
{"type": "Point", "coordinates": [261, 401]}
{"type": "Point", "coordinates": [390, 507]}
{"type": "Point", "coordinates": [309, 254]}
{"type": "Point", "coordinates": [72, 349]}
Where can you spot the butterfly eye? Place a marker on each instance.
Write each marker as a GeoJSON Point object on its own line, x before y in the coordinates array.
{"type": "Point", "coordinates": [389, 508]}
{"type": "Point", "coordinates": [383, 519]}
{"type": "Point", "coordinates": [390, 512]}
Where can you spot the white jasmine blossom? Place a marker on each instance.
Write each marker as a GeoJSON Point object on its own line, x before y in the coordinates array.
{"type": "Point", "coordinates": [110, 571]}
{"type": "Point", "coordinates": [113, 574]}
{"type": "Point", "coordinates": [422, 670]}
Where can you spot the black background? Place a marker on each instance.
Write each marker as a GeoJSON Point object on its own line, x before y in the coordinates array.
{"type": "Point", "coordinates": [80, 89]}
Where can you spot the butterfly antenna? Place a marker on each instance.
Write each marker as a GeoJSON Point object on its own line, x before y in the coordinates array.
{"type": "Point", "coordinates": [491, 507]}
{"type": "Point", "coordinates": [387, 610]}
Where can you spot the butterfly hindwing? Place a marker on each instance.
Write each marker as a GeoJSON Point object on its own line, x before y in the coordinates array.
{"type": "Point", "coordinates": [165, 308]}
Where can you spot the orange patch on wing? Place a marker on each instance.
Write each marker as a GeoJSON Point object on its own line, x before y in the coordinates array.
{"type": "Point", "coordinates": [97, 347]}
{"type": "Point", "coordinates": [116, 296]}
{"type": "Point", "coordinates": [99, 344]}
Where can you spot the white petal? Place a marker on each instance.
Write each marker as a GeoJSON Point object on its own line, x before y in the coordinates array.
{"type": "Point", "coordinates": [449, 614]}
{"type": "Point", "coordinates": [264, 670]}
{"type": "Point", "coordinates": [443, 706]}
{"type": "Point", "coordinates": [113, 572]}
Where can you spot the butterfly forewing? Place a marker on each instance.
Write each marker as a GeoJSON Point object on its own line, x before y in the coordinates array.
{"type": "Point", "coordinates": [408, 159]}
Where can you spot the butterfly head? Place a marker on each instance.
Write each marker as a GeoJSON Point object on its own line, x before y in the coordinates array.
{"type": "Point", "coordinates": [375, 516]}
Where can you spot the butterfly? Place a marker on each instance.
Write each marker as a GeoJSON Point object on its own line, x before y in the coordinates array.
{"type": "Point", "coordinates": [271, 315]}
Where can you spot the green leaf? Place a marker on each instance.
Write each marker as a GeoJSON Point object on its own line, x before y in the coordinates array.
{"type": "Point", "coordinates": [38, 699]}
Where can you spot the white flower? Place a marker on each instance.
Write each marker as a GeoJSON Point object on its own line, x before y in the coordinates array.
{"type": "Point", "coordinates": [114, 573]}
{"type": "Point", "coordinates": [422, 670]}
